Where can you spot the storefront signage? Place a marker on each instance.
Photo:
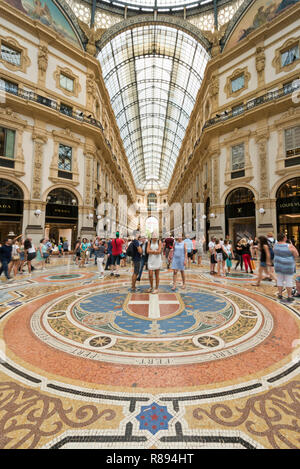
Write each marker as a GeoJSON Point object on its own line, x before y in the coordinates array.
{"type": "Point", "coordinates": [11, 207]}
{"type": "Point", "coordinates": [61, 211]}
{"type": "Point", "coordinates": [288, 205]}
{"type": "Point", "coordinates": [240, 210]}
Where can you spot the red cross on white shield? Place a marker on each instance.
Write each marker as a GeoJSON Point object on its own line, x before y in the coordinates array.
{"type": "Point", "coordinates": [157, 306]}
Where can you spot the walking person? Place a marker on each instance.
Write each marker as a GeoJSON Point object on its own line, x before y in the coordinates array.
{"type": "Point", "coordinates": [189, 247]}
{"type": "Point", "coordinates": [100, 250]}
{"type": "Point", "coordinates": [15, 258]}
{"type": "Point", "coordinates": [179, 261]}
{"type": "Point", "coordinates": [49, 245]}
{"type": "Point", "coordinates": [238, 255]}
{"type": "Point", "coordinates": [60, 247]}
{"type": "Point", "coordinates": [42, 253]}
{"type": "Point", "coordinates": [77, 251]}
{"type": "Point", "coordinates": [144, 256]}
{"type": "Point", "coordinates": [271, 242]}
{"type": "Point", "coordinates": [109, 254]}
{"type": "Point", "coordinates": [211, 248]}
{"type": "Point", "coordinates": [30, 253]}
{"type": "Point", "coordinates": [285, 265]}
{"type": "Point", "coordinates": [5, 257]}
{"type": "Point", "coordinates": [254, 248]}
{"type": "Point", "coordinates": [229, 252]}
{"type": "Point", "coordinates": [154, 249]}
{"type": "Point", "coordinates": [246, 255]}
{"type": "Point", "coordinates": [22, 256]}
{"type": "Point", "coordinates": [220, 256]}
{"type": "Point", "coordinates": [83, 250]}
{"type": "Point", "coordinates": [117, 245]}
{"type": "Point", "coordinates": [168, 244]}
{"type": "Point", "coordinates": [265, 260]}
{"type": "Point", "coordinates": [195, 250]}
{"type": "Point", "coordinates": [65, 247]}
{"type": "Point", "coordinates": [136, 254]}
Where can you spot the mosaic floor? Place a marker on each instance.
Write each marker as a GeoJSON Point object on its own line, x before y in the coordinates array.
{"type": "Point", "coordinates": [84, 363]}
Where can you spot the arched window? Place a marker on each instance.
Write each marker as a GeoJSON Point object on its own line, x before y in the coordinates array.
{"type": "Point", "coordinates": [62, 197]}
{"type": "Point", "coordinates": [10, 190]}
{"type": "Point", "coordinates": [152, 201]}
{"type": "Point", "coordinates": [290, 188]}
{"type": "Point", "coordinates": [242, 195]}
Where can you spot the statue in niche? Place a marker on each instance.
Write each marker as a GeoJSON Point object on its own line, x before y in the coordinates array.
{"type": "Point", "coordinates": [93, 35]}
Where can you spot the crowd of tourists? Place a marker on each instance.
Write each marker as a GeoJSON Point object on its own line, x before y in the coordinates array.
{"type": "Point", "coordinates": [276, 259]}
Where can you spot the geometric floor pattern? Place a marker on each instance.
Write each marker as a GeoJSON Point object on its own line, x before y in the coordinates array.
{"type": "Point", "coordinates": [85, 363]}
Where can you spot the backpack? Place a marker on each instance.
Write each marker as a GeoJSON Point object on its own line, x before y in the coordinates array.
{"type": "Point", "coordinates": [130, 250]}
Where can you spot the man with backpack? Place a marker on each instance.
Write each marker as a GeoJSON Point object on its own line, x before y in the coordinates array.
{"type": "Point", "coordinates": [117, 245]}
{"type": "Point", "coordinates": [135, 251]}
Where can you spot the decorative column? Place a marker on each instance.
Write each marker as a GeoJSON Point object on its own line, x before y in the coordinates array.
{"type": "Point", "coordinates": [214, 89]}
{"type": "Point", "coordinates": [264, 221]}
{"type": "Point", "coordinates": [87, 229]}
{"type": "Point", "coordinates": [216, 225]}
{"type": "Point", "coordinates": [42, 63]}
{"type": "Point", "coordinates": [260, 61]}
{"type": "Point", "coordinates": [36, 207]}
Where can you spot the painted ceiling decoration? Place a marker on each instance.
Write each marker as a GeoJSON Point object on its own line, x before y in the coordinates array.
{"type": "Point", "coordinates": [153, 74]}
{"type": "Point", "coordinates": [251, 15]}
{"type": "Point", "coordinates": [57, 16]}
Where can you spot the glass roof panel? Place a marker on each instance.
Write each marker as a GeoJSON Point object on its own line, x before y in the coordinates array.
{"type": "Point", "coordinates": [153, 74]}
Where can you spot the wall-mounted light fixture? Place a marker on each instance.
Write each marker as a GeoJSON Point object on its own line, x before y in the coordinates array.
{"type": "Point", "coordinates": [37, 212]}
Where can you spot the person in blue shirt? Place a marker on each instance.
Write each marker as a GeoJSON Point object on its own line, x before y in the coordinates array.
{"type": "Point", "coordinates": [189, 247]}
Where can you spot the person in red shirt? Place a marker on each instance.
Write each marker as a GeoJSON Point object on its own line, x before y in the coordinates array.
{"type": "Point", "coordinates": [117, 245]}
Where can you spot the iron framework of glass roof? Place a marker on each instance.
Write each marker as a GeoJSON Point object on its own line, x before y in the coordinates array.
{"type": "Point", "coordinates": [159, 5]}
{"type": "Point", "coordinates": [153, 74]}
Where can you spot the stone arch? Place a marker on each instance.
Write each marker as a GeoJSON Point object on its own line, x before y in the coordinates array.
{"type": "Point", "coordinates": [279, 183]}
{"type": "Point", "coordinates": [22, 186]}
{"type": "Point", "coordinates": [61, 186]}
{"type": "Point", "coordinates": [173, 22]}
{"type": "Point", "coordinates": [238, 186]}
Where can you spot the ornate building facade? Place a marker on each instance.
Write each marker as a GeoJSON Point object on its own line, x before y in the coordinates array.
{"type": "Point", "coordinates": [240, 155]}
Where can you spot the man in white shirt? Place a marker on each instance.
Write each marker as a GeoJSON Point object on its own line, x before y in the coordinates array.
{"type": "Point", "coordinates": [211, 247]}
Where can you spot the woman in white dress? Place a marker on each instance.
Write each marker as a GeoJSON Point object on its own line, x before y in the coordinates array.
{"type": "Point", "coordinates": [154, 261]}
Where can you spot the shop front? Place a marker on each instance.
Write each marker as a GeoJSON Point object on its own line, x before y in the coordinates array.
{"type": "Point", "coordinates": [240, 220]}
{"type": "Point", "coordinates": [62, 216]}
{"type": "Point", "coordinates": [288, 210]}
{"type": "Point", "coordinates": [11, 209]}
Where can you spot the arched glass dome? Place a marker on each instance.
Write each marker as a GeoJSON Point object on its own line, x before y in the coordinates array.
{"type": "Point", "coordinates": [153, 74]}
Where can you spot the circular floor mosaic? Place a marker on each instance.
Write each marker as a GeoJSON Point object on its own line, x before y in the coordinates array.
{"type": "Point", "coordinates": [168, 328]}
{"type": "Point", "coordinates": [104, 334]}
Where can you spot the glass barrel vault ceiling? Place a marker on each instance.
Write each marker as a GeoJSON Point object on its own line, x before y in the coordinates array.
{"type": "Point", "coordinates": [153, 74]}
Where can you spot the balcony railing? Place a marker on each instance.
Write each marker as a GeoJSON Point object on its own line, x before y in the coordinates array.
{"type": "Point", "coordinates": [50, 103]}
{"type": "Point", "coordinates": [243, 108]}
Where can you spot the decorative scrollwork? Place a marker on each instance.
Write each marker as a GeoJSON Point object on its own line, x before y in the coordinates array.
{"type": "Point", "coordinates": [27, 416]}
{"type": "Point", "coordinates": [274, 415]}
